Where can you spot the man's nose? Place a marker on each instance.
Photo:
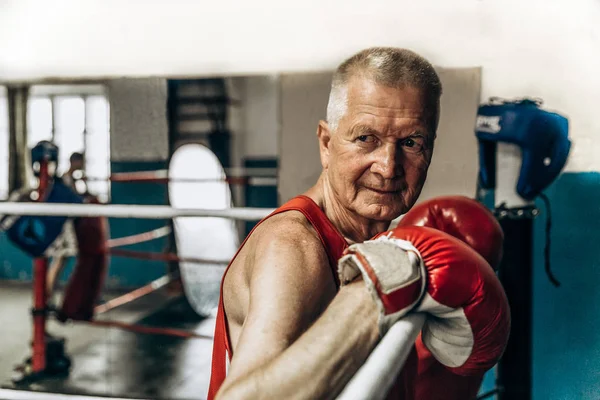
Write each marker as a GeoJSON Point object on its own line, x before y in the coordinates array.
{"type": "Point", "coordinates": [388, 162]}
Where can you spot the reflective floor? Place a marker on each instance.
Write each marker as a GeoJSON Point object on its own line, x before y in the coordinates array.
{"type": "Point", "coordinates": [112, 362]}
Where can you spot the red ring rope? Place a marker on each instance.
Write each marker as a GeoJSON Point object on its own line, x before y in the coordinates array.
{"type": "Point", "coordinates": [149, 329]}
{"type": "Point", "coordinates": [150, 256]}
{"type": "Point", "coordinates": [139, 238]}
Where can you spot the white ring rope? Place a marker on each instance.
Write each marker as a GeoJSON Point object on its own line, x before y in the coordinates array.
{"type": "Point", "coordinates": [128, 211]}
{"type": "Point", "coordinates": [20, 394]}
{"type": "Point", "coordinates": [377, 375]}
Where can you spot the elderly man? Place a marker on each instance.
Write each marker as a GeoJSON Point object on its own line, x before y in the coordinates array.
{"type": "Point", "coordinates": [311, 290]}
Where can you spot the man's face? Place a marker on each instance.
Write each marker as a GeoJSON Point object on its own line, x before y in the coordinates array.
{"type": "Point", "coordinates": [377, 159]}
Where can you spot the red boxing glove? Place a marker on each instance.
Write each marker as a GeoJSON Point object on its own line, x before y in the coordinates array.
{"type": "Point", "coordinates": [463, 218]}
{"type": "Point", "coordinates": [471, 222]}
{"type": "Point", "coordinates": [469, 319]}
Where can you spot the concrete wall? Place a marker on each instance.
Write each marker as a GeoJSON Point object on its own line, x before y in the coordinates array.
{"type": "Point", "coordinates": [261, 111]}
{"type": "Point", "coordinates": [303, 103]}
{"type": "Point", "coordinates": [138, 117]}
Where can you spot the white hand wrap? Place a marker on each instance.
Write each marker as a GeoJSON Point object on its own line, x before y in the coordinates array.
{"type": "Point", "coordinates": [393, 271]}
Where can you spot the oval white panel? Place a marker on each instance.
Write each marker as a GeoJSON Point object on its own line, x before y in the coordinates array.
{"type": "Point", "coordinates": [197, 180]}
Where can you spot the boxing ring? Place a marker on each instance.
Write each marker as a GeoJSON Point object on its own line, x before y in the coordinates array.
{"type": "Point", "coordinates": [372, 381]}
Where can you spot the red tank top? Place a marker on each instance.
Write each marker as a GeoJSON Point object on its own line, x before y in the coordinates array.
{"type": "Point", "coordinates": [334, 245]}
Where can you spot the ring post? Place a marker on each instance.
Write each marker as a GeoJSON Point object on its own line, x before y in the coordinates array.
{"type": "Point", "coordinates": [515, 215]}
{"type": "Point", "coordinates": [40, 270]}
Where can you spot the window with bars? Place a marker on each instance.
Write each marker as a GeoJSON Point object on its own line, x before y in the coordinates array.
{"type": "Point", "coordinates": [76, 118]}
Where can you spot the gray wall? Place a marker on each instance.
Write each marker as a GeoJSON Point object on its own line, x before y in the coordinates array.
{"type": "Point", "coordinates": [138, 117]}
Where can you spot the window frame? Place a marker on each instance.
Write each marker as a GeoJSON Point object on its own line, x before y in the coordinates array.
{"type": "Point", "coordinates": [83, 91]}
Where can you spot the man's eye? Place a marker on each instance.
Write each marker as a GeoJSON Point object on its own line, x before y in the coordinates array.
{"type": "Point", "coordinates": [414, 145]}
{"type": "Point", "coordinates": [365, 138]}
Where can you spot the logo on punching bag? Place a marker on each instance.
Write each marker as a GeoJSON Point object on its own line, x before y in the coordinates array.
{"type": "Point", "coordinates": [32, 232]}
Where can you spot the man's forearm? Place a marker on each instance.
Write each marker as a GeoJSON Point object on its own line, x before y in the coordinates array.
{"type": "Point", "coordinates": [322, 360]}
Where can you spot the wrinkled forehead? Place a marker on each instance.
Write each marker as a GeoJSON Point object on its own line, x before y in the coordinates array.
{"type": "Point", "coordinates": [370, 103]}
{"type": "Point", "coordinates": [363, 89]}
{"type": "Point", "coordinates": [365, 97]}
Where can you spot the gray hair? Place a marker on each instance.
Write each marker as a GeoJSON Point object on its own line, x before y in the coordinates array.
{"type": "Point", "coordinates": [387, 66]}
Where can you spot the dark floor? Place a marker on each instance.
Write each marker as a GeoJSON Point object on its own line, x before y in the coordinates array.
{"type": "Point", "coordinates": [112, 362]}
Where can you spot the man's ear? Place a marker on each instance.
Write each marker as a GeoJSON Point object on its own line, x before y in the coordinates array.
{"type": "Point", "coordinates": [324, 135]}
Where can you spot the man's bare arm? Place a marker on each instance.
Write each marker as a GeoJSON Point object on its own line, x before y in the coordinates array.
{"type": "Point", "coordinates": [279, 353]}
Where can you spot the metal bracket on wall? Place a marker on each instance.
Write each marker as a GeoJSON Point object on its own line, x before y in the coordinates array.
{"type": "Point", "coordinates": [529, 212]}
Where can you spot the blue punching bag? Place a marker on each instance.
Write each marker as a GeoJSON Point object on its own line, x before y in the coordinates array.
{"type": "Point", "coordinates": [34, 234]}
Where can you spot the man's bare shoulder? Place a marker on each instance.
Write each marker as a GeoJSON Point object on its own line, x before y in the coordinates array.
{"type": "Point", "coordinates": [285, 243]}
{"type": "Point", "coordinates": [288, 231]}
{"type": "Point", "coordinates": [285, 260]}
